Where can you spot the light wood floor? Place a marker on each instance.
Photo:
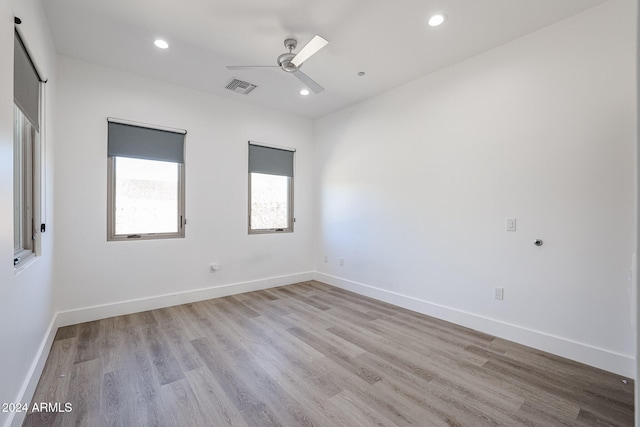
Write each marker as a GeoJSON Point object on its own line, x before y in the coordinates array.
{"type": "Point", "coordinates": [310, 354]}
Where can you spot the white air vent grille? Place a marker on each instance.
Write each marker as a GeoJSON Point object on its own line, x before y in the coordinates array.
{"type": "Point", "coordinates": [240, 87]}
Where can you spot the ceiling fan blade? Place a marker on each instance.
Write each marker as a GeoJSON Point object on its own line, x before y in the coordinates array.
{"type": "Point", "coordinates": [308, 81]}
{"type": "Point", "coordinates": [310, 49]}
{"type": "Point", "coordinates": [249, 67]}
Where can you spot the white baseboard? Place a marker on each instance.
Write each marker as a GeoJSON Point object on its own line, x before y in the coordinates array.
{"type": "Point", "coordinates": [97, 312]}
{"type": "Point", "coordinates": [620, 364]}
{"type": "Point", "coordinates": [33, 376]}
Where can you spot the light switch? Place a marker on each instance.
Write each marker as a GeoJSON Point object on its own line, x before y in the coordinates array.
{"type": "Point", "coordinates": [511, 224]}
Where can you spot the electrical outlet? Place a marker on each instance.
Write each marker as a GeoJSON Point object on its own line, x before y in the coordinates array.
{"type": "Point", "coordinates": [498, 293]}
{"type": "Point", "coordinates": [341, 262]}
{"type": "Point", "coordinates": [511, 224]}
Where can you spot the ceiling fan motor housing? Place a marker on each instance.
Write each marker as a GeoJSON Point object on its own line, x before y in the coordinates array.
{"type": "Point", "coordinates": [284, 61]}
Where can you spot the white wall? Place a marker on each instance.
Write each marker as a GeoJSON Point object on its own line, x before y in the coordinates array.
{"type": "Point", "coordinates": [25, 299]}
{"type": "Point", "coordinates": [89, 271]}
{"type": "Point", "coordinates": [414, 187]}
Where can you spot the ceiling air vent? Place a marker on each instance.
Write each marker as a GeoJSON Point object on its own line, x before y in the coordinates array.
{"type": "Point", "coordinates": [240, 87]}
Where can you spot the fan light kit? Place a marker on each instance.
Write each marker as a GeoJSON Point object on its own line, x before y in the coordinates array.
{"type": "Point", "coordinates": [437, 19]}
{"type": "Point", "coordinates": [291, 62]}
{"type": "Point", "coordinates": [161, 44]}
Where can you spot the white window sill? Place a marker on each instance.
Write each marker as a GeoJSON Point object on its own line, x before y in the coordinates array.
{"type": "Point", "coordinates": [25, 263]}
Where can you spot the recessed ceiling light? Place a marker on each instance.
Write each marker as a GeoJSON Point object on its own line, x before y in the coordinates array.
{"type": "Point", "coordinates": [361, 73]}
{"type": "Point", "coordinates": [437, 19]}
{"type": "Point", "coordinates": [161, 44]}
{"type": "Point", "coordinates": [304, 92]}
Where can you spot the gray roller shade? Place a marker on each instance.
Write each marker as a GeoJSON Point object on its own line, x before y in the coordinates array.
{"type": "Point", "coordinates": [145, 143]}
{"type": "Point", "coordinates": [272, 161]}
{"type": "Point", "coordinates": [26, 84]}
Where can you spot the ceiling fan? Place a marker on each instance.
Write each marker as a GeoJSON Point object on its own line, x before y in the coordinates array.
{"type": "Point", "coordinates": [291, 62]}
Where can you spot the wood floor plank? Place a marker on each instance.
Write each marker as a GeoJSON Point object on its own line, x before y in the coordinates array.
{"type": "Point", "coordinates": [335, 354]}
{"type": "Point", "coordinates": [439, 333]}
{"type": "Point", "coordinates": [488, 410]}
{"type": "Point", "coordinates": [186, 322]}
{"type": "Point", "coordinates": [327, 337]}
{"type": "Point", "coordinates": [167, 369]}
{"type": "Point", "coordinates": [88, 335]}
{"type": "Point", "coordinates": [248, 368]}
{"type": "Point", "coordinates": [361, 414]}
{"type": "Point", "coordinates": [411, 388]}
{"type": "Point", "coordinates": [415, 366]}
{"type": "Point", "coordinates": [311, 395]}
{"type": "Point", "coordinates": [214, 403]}
{"type": "Point", "coordinates": [252, 408]}
{"type": "Point", "coordinates": [141, 387]}
{"type": "Point", "coordinates": [54, 381]}
{"type": "Point", "coordinates": [380, 309]}
{"type": "Point", "coordinates": [181, 348]}
{"type": "Point", "coordinates": [313, 355]}
{"type": "Point", "coordinates": [85, 393]}
{"type": "Point", "coordinates": [346, 306]}
{"type": "Point", "coordinates": [422, 343]}
{"type": "Point", "coordinates": [287, 356]}
{"type": "Point", "coordinates": [41, 419]}
{"type": "Point", "coordinates": [459, 373]}
{"type": "Point", "coordinates": [114, 399]}
{"type": "Point", "coordinates": [262, 304]}
{"type": "Point", "coordinates": [66, 332]}
{"type": "Point", "coordinates": [282, 342]}
{"type": "Point", "coordinates": [179, 406]}
{"type": "Point", "coordinates": [114, 336]}
{"type": "Point", "coordinates": [541, 413]}
{"type": "Point", "coordinates": [313, 302]}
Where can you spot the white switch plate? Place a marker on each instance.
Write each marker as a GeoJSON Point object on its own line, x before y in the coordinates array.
{"type": "Point", "coordinates": [511, 224]}
{"type": "Point", "coordinates": [498, 293]}
{"type": "Point", "coordinates": [341, 262]}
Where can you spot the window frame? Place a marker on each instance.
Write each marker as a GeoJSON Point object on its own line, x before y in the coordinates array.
{"type": "Point", "coordinates": [111, 193]}
{"type": "Point", "coordinates": [290, 193]}
{"type": "Point", "coordinates": [26, 176]}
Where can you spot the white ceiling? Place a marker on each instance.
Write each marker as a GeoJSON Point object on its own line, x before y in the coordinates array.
{"type": "Point", "coordinates": [389, 40]}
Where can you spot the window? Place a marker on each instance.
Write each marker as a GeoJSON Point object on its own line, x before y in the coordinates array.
{"type": "Point", "coordinates": [270, 189]}
{"type": "Point", "coordinates": [26, 155]}
{"type": "Point", "coordinates": [146, 182]}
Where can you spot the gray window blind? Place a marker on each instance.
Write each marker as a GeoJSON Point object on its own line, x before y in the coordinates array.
{"type": "Point", "coordinates": [138, 142]}
{"type": "Point", "coordinates": [272, 161]}
{"type": "Point", "coordinates": [26, 84]}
